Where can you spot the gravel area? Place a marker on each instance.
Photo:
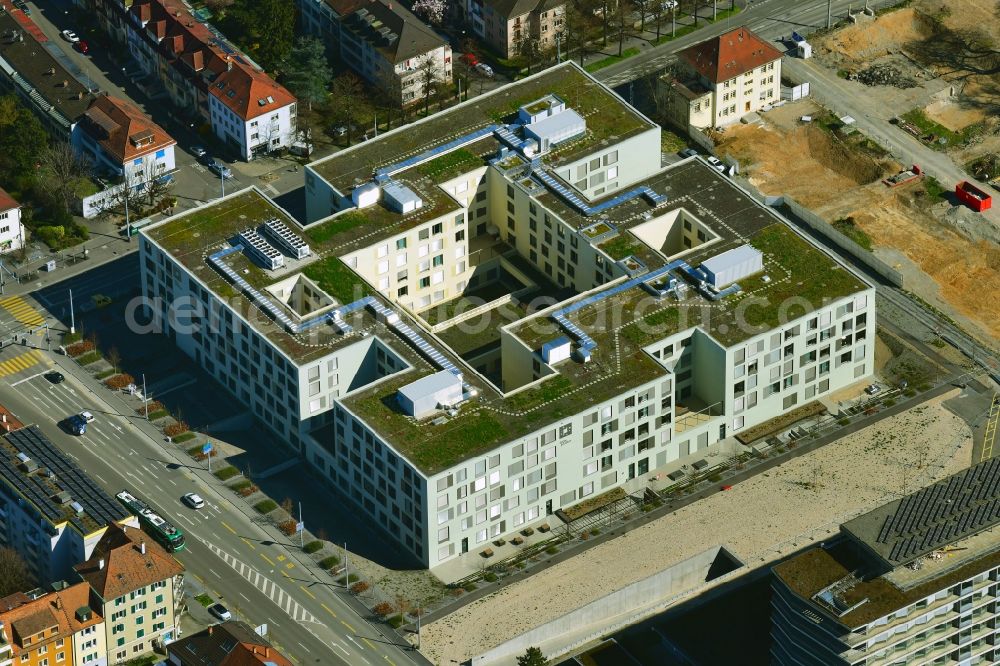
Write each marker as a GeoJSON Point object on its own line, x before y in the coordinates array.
{"type": "Point", "coordinates": [758, 521]}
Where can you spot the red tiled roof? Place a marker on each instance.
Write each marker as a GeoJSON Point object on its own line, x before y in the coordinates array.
{"type": "Point", "coordinates": [119, 127]}
{"type": "Point", "coordinates": [729, 55]}
{"type": "Point", "coordinates": [126, 567]}
{"type": "Point", "coordinates": [249, 93]}
{"type": "Point", "coordinates": [23, 617]}
{"type": "Point", "coordinates": [6, 201]}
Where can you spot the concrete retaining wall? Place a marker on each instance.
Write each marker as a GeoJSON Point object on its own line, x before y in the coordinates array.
{"type": "Point", "coordinates": [616, 610]}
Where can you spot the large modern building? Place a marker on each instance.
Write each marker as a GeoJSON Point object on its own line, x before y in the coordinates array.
{"type": "Point", "coordinates": [51, 512]}
{"type": "Point", "coordinates": [139, 588]}
{"type": "Point", "coordinates": [912, 582]}
{"type": "Point", "coordinates": [54, 627]}
{"type": "Point", "coordinates": [383, 42]}
{"type": "Point", "coordinates": [507, 308]}
{"type": "Point", "coordinates": [722, 79]}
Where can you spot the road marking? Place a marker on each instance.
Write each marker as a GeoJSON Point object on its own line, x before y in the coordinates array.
{"type": "Point", "coordinates": [368, 643]}
{"type": "Point", "coordinates": [305, 648]}
{"type": "Point", "coordinates": [20, 362]}
{"type": "Point", "coordinates": [244, 596]}
{"type": "Point", "coordinates": [186, 519]}
{"type": "Point", "coordinates": [290, 565]}
{"type": "Point", "coordinates": [21, 311]}
{"type": "Point", "coordinates": [213, 572]}
{"type": "Point", "coordinates": [304, 589]}
{"type": "Point", "coordinates": [172, 481]}
{"type": "Point", "coordinates": [348, 626]}
{"type": "Point", "coordinates": [281, 558]}
{"type": "Point", "coordinates": [339, 647]}
{"type": "Point", "coordinates": [230, 529]}
{"type": "Point", "coordinates": [328, 610]}
{"type": "Point", "coordinates": [21, 381]}
{"type": "Point", "coordinates": [100, 478]}
{"type": "Point", "coordinates": [267, 559]}
{"type": "Point", "coordinates": [391, 663]}
{"type": "Point", "coordinates": [247, 542]}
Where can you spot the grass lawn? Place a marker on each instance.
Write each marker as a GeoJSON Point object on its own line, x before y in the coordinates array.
{"type": "Point", "coordinates": [204, 599]}
{"type": "Point", "coordinates": [266, 506]}
{"type": "Point", "coordinates": [88, 358]}
{"type": "Point", "coordinates": [343, 222]}
{"type": "Point", "coordinates": [226, 473]}
{"type": "Point", "coordinates": [847, 227]}
{"type": "Point", "coordinates": [335, 278]}
{"type": "Point", "coordinates": [935, 190]}
{"type": "Point", "coordinates": [620, 246]}
{"type": "Point", "coordinates": [928, 126]}
{"type": "Point", "coordinates": [610, 60]}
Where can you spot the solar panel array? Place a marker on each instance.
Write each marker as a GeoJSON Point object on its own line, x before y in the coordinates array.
{"type": "Point", "coordinates": [260, 250]}
{"type": "Point", "coordinates": [38, 488]}
{"type": "Point", "coordinates": [286, 239]}
{"type": "Point", "coordinates": [956, 507]}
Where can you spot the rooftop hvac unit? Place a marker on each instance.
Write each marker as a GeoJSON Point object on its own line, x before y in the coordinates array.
{"type": "Point", "coordinates": [427, 395]}
{"type": "Point", "coordinates": [285, 239]}
{"type": "Point", "coordinates": [400, 198]}
{"type": "Point", "coordinates": [260, 251]}
{"type": "Point", "coordinates": [732, 265]}
{"type": "Point", "coordinates": [365, 195]}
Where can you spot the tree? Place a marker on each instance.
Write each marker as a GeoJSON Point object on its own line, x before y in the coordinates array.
{"type": "Point", "coordinates": [528, 48]}
{"type": "Point", "coordinates": [622, 19]}
{"type": "Point", "coordinates": [114, 358]}
{"type": "Point", "coordinates": [218, 5]}
{"type": "Point", "coordinates": [265, 28]}
{"type": "Point", "coordinates": [307, 72]}
{"type": "Point", "coordinates": [22, 139]}
{"type": "Point", "coordinates": [61, 169]}
{"type": "Point", "coordinates": [429, 79]}
{"type": "Point", "coordinates": [346, 102]}
{"type": "Point", "coordinates": [656, 12]}
{"type": "Point", "coordinates": [14, 573]}
{"type": "Point", "coordinates": [643, 7]}
{"type": "Point", "coordinates": [532, 657]}
{"type": "Point", "coordinates": [431, 11]}
{"type": "Point", "coordinates": [575, 29]}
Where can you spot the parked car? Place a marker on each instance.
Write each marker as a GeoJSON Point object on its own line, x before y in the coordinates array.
{"type": "Point", "coordinates": [82, 47]}
{"type": "Point", "coordinates": [166, 180]}
{"type": "Point", "coordinates": [485, 70]}
{"type": "Point", "coordinates": [198, 151]}
{"type": "Point", "coordinates": [872, 389]}
{"type": "Point", "coordinates": [716, 163]}
{"type": "Point", "coordinates": [669, 4]}
{"type": "Point", "coordinates": [469, 59]}
{"type": "Point", "coordinates": [221, 612]}
{"type": "Point", "coordinates": [220, 169]}
{"type": "Point", "coordinates": [87, 417]}
{"type": "Point", "coordinates": [76, 425]}
{"type": "Point", "coordinates": [55, 377]}
{"type": "Point", "coordinates": [206, 159]}
{"type": "Point", "coordinates": [193, 500]}
{"type": "Point", "coordinates": [69, 36]}
{"type": "Point", "coordinates": [688, 152]}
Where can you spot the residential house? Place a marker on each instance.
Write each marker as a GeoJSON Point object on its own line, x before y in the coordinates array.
{"type": "Point", "coordinates": [58, 627]}
{"type": "Point", "coordinates": [138, 587]}
{"type": "Point", "coordinates": [11, 228]}
{"type": "Point", "coordinates": [194, 65]}
{"type": "Point", "coordinates": [54, 534]}
{"type": "Point", "coordinates": [121, 140]}
{"type": "Point", "coordinates": [383, 42]}
{"type": "Point", "coordinates": [722, 79]}
{"type": "Point", "coordinates": [231, 643]}
{"type": "Point", "coordinates": [507, 24]}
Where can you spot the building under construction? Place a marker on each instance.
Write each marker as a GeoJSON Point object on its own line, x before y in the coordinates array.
{"type": "Point", "coordinates": [912, 582]}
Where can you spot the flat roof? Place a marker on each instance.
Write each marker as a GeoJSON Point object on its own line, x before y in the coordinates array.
{"type": "Point", "coordinates": [907, 529]}
{"type": "Point", "coordinates": [55, 483]}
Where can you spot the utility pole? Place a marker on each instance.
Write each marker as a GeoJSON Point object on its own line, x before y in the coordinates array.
{"type": "Point", "coordinates": [128, 227]}
{"type": "Point", "coordinates": [145, 398]}
{"type": "Point", "coordinates": [302, 531]}
{"type": "Point", "coordinates": [222, 175]}
{"type": "Point", "coordinates": [72, 319]}
{"type": "Point", "coordinates": [673, 22]}
{"type": "Point", "coordinates": [829, 14]}
{"type": "Point", "coordinates": [347, 571]}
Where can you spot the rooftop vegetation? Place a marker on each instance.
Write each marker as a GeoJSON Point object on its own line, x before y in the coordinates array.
{"type": "Point", "coordinates": [334, 277]}
{"type": "Point", "coordinates": [322, 233]}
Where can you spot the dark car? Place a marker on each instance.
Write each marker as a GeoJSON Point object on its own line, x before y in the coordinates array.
{"type": "Point", "coordinates": [220, 169]}
{"type": "Point", "coordinates": [688, 152]}
{"type": "Point", "coordinates": [198, 151]}
{"type": "Point", "coordinates": [55, 377]}
{"type": "Point", "coordinates": [206, 159]}
{"type": "Point", "coordinates": [82, 47]}
{"type": "Point", "coordinates": [76, 425]}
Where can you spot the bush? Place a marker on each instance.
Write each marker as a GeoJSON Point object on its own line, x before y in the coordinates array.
{"type": "Point", "coordinates": [395, 621]}
{"type": "Point", "coordinates": [88, 358]}
{"type": "Point", "coordinates": [78, 348]}
{"type": "Point", "coordinates": [595, 531]}
{"type": "Point", "coordinates": [469, 587]}
{"type": "Point", "coordinates": [247, 490]}
{"type": "Point", "coordinates": [119, 381]}
{"type": "Point", "coordinates": [353, 578]}
{"type": "Point", "coordinates": [152, 406]}
{"type": "Point", "coordinates": [266, 506]}
{"type": "Point", "coordinates": [329, 562]}
{"type": "Point", "coordinates": [889, 402]}
{"type": "Point", "coordinates": [287, 527]}
{"type": "Point", "coordinates": [551, 550]}
{"type": "Point", "coordinates": [177, 428]}
{"type": "Point", "coordinates": [104, 374]}
{"type": "Point", "coordinates": [184, 437]}
{"type": "Point", "coordinates": [312, 547]}
{"type": "Point", "coordinates": [490, 577]}
{"type": "Point", "coordinates": [843, 422]}
{"type": "Point", "coordinates": [359, 587]}
{"type": "Point", "coordinates": [204, 600]}
{"type": "Point", "coordinates": [226, 473]}
{"type": "Point", "coordinates": [383, 609]}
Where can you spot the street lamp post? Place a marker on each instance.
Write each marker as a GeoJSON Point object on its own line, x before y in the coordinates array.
{"type": "Point", "coordinates": [72, 317]}
{"type": "Point", "coordinates": [145, 398]}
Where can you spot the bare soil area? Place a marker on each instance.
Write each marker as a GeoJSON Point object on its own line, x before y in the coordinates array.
{"type": "Point", "coordinates": [771, 515]}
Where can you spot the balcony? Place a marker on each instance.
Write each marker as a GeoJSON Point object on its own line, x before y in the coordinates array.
{"type": "Point", "coordinates": [695, 413]}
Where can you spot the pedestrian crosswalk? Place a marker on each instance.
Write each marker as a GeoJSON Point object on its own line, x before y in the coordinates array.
{"type": "Point", "coordinates": [22, 311]}
{"type": "Point", "coordinates": [21, 362]}
{"type": "Point", "coordinates": [268, 587]}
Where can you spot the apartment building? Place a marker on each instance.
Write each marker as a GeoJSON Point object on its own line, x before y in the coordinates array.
{"type": "Point", "coordinates": [912, 582]}
{"type": "Point", "coordinates": [139, 590]}
{"type": "Point", "coordinates": [723, 79]}
{"type": "Point", "coordinates": [205, 78]}
{"type": "Point", "coordinates": [516, 316]}
{"type": "Point", "coordinates": [51, 512]}
{"type": "Point", "coordinates": [121, 141]}
{"type": "Point", "coordinates": [507, 24]}
{"type": "Point", "coordinates": [231, 643]}
{"type": "Point", "coordinates": [54, 627]}
{"type": "Point", "coordinates": [383, 42]}
{"type": "Point", "coordinates": [11, 228]}
{"type": "Point", "coordinates": [29, 71]}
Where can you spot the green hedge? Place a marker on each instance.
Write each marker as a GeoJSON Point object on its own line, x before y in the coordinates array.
{"type": "Point", "coordinates": [184, 437]}
{"type": "Point", "coordinates": [88, 358]}
{"type": "Point", "coordinates": [241, 485]}
{"type": "Point", "coordinates": [159, 414]}
{"type": "Point", "coordinates": [329, 562]}
{"type": "Point", "coordinates": [266, 506]}
{"type": "Point", "coordinates": [226, 473]}
{"type": "Point", "coordinates": [313, 547]}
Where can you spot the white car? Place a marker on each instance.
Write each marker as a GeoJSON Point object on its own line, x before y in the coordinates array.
{"type": "Point", "coordinates": [716, 164]}
{"type": "Point", "coordinates": [485, 70]}
{"type": "Point", "coordinates": [669, 4]}
{"type": "Point", "coordinates": [193, 500]}
{"type": "Point", "coordinates": [221, 612]}
{"type": "Point", "coordinates": [87, 417]}
{"type": "Point", "coordinates": [70, 36]}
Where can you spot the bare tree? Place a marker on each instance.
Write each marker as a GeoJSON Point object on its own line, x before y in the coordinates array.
{"type": "Point", "coordinates": [622, 21]}
{"type": "Point", "coordinates": [114, 358]}
{"type": "Point", "coordinates": [656, 12]}
{"type": "Point", "coordinates": [429, 79]}
{"type": "Point", "coordinates": [62, 168]}
{"type": "Point", "coordinates": [643, 7]}
{"type": "Point", "coordinates": [346, 102]}
{"type": "Point", "coordinates": [14, 573]}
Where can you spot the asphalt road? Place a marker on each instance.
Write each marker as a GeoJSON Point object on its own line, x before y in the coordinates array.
{"type": "Point", "coordinates": [245, 565]}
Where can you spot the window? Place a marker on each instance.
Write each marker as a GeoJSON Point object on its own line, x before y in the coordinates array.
{"type": "Point", "coordinates": [425, 282]}
{"type": "Point", "coordinates": [401, 244]}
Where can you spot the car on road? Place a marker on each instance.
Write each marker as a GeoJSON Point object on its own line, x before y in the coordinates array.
{"type": "Point", "coordinates": [76, 425]}
{"type": "Point", "coordinates": [873, 389]}
{"type": "Point", "coordinates": [70, 36]}
{"type": "Point", "coordinates": [198, 151]}
{"type": "Point", "coordinates": [716, 163]}
{"type": "Point", "coordinates": [669, 4]}
{"type": "Point", "coordinates": [55, 377]}
{"type": "Point", "coordinates": [688, 152]}
{"type": "Point", "coordinates": [82, 47]}
{"type": "Point", "coordinates": [220, 169]}
{"type": "Point", "coordinates": [87, 417]}
{"type": "Point", "coordinates": [221, 612]}
{"type": "Point", "coordinates": [193, 500]}
{"type": "Point", "coordinates": [206, 159]}
{"type": "Point", "coordinates": [485, 70]}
